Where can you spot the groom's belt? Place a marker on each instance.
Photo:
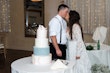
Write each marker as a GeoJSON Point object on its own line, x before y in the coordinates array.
{"type": "Point", "coordinates": [59, 44]}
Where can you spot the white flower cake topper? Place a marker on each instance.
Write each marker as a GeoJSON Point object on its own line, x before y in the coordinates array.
{"type": "Point", "coordinates": [41, 32]}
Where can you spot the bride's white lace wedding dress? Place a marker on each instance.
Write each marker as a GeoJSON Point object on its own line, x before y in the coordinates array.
{"type": "Point", "coordinates": [75, 48]}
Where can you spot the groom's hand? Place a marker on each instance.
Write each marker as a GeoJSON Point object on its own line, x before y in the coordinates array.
{"type": "Point", "coordinates": [58, 52]}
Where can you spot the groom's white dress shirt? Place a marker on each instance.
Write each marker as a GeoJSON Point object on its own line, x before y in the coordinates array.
{"type": "Point", "coordinates": [55, 26]}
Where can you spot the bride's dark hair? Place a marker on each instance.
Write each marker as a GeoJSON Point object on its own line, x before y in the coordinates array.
{"type": "Point", "coordinates": [74, 18]}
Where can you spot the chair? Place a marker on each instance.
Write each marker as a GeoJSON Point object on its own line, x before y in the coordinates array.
{"type": "Point", "coordinates": [2, 44]}
{"type": "Point", "coordinates": [100, 34]}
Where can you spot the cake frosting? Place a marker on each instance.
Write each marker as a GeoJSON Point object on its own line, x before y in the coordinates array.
{"type": "Point", "coordinates": [41, 60]}
{"type": "Point", "coordinates": [41, 50]}
{"type": "Point", "coordinates": [41, 42]}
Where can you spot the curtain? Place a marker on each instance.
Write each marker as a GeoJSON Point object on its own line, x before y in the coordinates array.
{"type": "Point", "coordinates": [5, 16]}
{"type": "Point", "coordinates": [93, 13]}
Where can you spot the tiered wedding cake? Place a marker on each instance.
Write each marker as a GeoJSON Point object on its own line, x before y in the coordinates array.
{"type": "Point", "coordinates": [41, 51]}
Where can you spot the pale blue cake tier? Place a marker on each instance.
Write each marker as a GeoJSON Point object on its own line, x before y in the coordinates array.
{"type": "Point", "coordinates": [41, 51]}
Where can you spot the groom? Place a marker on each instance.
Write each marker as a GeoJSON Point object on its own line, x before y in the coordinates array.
{"type": "Point", "coordinates": [57, 33]}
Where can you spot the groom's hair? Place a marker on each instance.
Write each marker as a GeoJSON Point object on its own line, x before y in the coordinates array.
{"type": "Point", "coordinates": [62, 6]}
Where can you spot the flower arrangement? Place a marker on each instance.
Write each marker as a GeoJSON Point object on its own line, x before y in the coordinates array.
{"type": "Point", "coordinates": [100, 68]}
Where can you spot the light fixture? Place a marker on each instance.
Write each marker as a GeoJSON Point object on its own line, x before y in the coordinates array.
{"type": "Point", "coordinates": [36, 0]}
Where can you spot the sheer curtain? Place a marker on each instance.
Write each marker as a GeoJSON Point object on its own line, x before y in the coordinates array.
{"type": "Point", "coordinates": [5, 16]}
{"type": "Point", "coordinates": [93, 13]}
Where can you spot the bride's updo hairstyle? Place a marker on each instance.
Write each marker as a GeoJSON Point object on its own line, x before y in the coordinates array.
{"type": "Point", "coordinates": [74, 18]}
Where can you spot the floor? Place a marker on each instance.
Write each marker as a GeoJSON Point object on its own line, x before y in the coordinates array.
{"type": "Point", "coordinates": [12, 55]}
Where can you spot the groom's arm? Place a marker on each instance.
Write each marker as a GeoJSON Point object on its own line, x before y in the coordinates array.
{"type": "Point", "coordinates": [55, 44]}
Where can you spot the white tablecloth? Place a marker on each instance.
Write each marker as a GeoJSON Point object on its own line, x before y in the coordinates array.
{"type": "Point", "coordinates": [24, 65]}
{"type": "Point", "coordinates": [101, 56]}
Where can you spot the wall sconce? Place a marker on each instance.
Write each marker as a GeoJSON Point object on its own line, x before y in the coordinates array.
{"type": "Point", "coordinates": [36, 0]}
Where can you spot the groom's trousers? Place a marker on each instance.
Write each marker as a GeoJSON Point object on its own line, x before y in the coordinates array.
{"type": "Point", "coordinates": [53, 51]}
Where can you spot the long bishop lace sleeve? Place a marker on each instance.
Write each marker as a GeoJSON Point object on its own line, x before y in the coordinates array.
{"type": "Point", "coordinates": [78, 37]}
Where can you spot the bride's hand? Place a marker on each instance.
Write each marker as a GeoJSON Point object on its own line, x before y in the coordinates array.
{"type": "Point", "coordinates": [77, 57]}
{"type": "Point", "coordinates": [67, 30]}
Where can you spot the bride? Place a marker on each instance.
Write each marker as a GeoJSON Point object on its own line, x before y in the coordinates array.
{"type": "Point", "coordinates": [76, 48]}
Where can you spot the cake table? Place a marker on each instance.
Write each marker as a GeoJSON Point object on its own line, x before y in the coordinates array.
{"type": "Point", "coordinates": [24, 65]}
